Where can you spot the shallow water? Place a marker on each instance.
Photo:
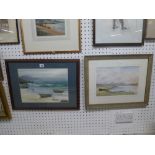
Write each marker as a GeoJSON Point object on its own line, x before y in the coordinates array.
{"type": "Point", "coordinates": [128, 88]}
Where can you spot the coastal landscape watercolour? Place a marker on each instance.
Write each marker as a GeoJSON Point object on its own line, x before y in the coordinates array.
{"type": "Point", "coordinates": [111, 81]}
{"type": "Point", "coordinates": [43, 85]}
{"type": "Point", "coordinates": [50, 27]}
{"type": "Point", "coordinates": [117, 81]}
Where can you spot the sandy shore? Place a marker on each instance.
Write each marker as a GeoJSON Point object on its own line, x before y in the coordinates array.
{"type": "Point", "coordinates": [31, 97]}
{"type": "Point", "coordinates": [50, 31]}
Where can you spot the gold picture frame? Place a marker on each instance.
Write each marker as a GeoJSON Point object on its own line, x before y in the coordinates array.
{"type": "Point", "coordinates": [5, 113]}
{"type": "Point", "coordinates": [116, 81]}
{"type": "Point", "coordinates": [39, 36]}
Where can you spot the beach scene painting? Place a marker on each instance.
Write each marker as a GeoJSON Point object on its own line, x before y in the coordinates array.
{"type": "Point", "coordinates": [43, 85]}
{"type": "Point", "coordinates": [112, 81]}
{"type": "Point", "coordinates": [50, 27]}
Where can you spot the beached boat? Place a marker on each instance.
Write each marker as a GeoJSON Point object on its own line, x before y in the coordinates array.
{"type": "Point", "coordinates": [58, 91]}
{"type": "Point", "coordinates": [45, 95]}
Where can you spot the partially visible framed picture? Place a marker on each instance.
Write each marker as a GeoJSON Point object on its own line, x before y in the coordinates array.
{"type": "Point", "coordinates": [9, 31]}
{"type": "Point", "coordinates": [44, 84]}
{"type": "Point", "coordinates": [118, 32]}
{"type": "Point", "coordinates": [121, 81]}
{"type": "Point", "coordinates": [1, 74]}
{"type": "Point", "coordinates": [150, 29]}
{"type": "Point", "coordinates": [50, 35]}
{"type": "Point", "coordinates": [4, 108]}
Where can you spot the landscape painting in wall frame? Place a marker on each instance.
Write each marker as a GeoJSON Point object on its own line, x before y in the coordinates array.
{"type": "Point", "coordinates": [118, 32]}
{"type": "Point", "coordinates": [50, 35]}
{"type": "Point", "coordinates": [44, 84]}
{"type": "Point", "coordinates": [150, 29]}
{"type": "Point", "coordinates": [9, 31]}
{"type": "Point", "coordinates": [121, 81]}
{"type": "Point", "coordinates": [4, 108]}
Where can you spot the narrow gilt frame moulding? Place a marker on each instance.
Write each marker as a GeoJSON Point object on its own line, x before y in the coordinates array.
{"type": "Point", "coordinates": [127, 35]}
{"type": "Point", "coordinates": [6, 112]}
{"type": "Point", "coordinates": [35, 41]}
{"type": "Point", "coordinates": [117, 81]}
{"type": "Point", "coordinates": [44, 84]}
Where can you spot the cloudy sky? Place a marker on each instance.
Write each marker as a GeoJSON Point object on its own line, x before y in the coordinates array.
{"type": "Point", "coordinates": [54, 73]}
{"type": "Point", "coordinates": [107, 75]}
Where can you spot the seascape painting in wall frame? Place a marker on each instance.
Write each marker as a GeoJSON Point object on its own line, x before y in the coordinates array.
{"type": "Point", "coordinates": [43, 84]}
{"type": "Point", "coordinates": [118, 81]}
{"type": "Point", "coordinates": [50, 35]}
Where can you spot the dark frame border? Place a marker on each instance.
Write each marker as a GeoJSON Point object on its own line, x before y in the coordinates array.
{"type": "Point", "coordinates": [118, 105]}
{"type": "Point", "coordinates": [18, 40]}
{"type": "Point", "coordinates": [118, 44]}
{"type": "Point", "coordinates": [77, 61]}
{"type": "Point", "coordinates": [1, 73]}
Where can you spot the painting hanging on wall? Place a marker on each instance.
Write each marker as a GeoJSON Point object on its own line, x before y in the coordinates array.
{"type": "Point", "coordinates": [46, 35]}
{"type": "Point", "coordinates": [9, 31]}
{"type": "Point", "coordinates": [4, 108]}
{"type": "Point", "coordinates": [150, 29]}
{"type": "Point", "coordinates": [118, 32]}
{"type": "Point", "coordinates": [117, 81]}
{"type": "Point", "coordinates": [43, 84]}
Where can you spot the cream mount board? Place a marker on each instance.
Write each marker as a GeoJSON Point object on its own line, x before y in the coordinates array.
{"type": "Point", "coordinates": [82, 121]}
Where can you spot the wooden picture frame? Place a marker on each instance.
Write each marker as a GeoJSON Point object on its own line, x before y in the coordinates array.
{"type": "Point", "coordinates": [9, 31]}
{"type": "Point", "coordinates": [117, 81]}
{"type": "Point", "coordinates": [118, 32]}
{"type": "Point", "coordinates": [50, 36]}
{"type": "Point", "coordinates": [1, 74]}
{"type": "Point", "coordinates": [44, 84]}
{"type": "Point", "coordinates": [4, 110]}
{"type": "Point", "coordinates": [150, 29]}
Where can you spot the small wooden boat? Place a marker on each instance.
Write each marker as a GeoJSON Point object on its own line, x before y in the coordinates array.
{"type": "Point", "coordinates": [64, 101]}
{"type": "Point", "coordinates": [58, 91]}
{"type": "Point", "coordinates": [45, 95]}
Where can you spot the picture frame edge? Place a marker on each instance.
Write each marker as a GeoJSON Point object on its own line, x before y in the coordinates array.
{"type": "Point", "coordinates": [4, 103]}
{"type": "Point", "coordinates": [148, 39]}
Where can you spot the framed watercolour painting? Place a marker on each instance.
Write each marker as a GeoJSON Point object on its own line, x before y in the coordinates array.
{"type": "Point", "coordinates": [50, 35]}
{"type": "Point", "coordinates": [44, 84]}
{"type": "Point", "coordinates": [4, 108]}
{"type": "Point", "coordinates": [9, 31]}
{"type": "Point", "coordinates": [118, 32]}
{"type": "Point", "coordinates": [121, 81]}
{"type": "Point", "coordinates": [150, 29]}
